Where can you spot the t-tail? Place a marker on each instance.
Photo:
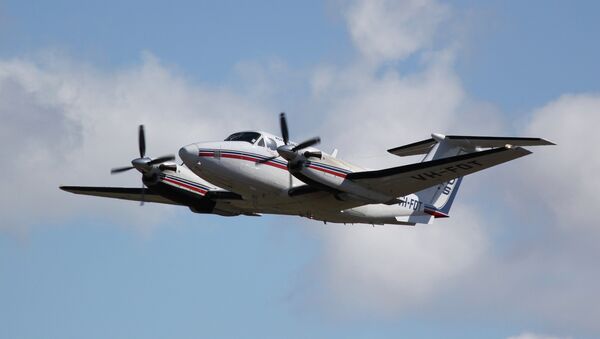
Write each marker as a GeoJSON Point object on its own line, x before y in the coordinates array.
{"type": "Point", "coordinates": [438, 199]}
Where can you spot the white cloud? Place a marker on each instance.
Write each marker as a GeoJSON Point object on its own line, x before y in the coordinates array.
{"type": "Point", "coordinates": [550, 271]}
{"type": "Point", "coordinates": [388, 30]}
{"type": "Point", "coordinates": [390, 269]}
{"type": "Point", "coordinates": [380, 111]}
{"type": "Point", "coordinates": [567, 175]}
{"type": "Point", "coordinates": [68, 123]}
{"type": "Point", "coordinates": [369, 107]}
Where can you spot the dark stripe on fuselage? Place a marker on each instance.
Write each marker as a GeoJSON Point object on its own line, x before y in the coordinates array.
{"type": "Point", "coordinates": [186, 181]}
{"type": "Point", "coordinates": [190, 185]}
{"type": "Point", "coordinates": [328, 169]}
{"type": "Point", "coordinates": [231, 154]}
{"type": "Point", "coordinates": [210, 192]}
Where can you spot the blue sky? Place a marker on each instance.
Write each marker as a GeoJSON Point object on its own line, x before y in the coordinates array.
{"type": "Point", "coordinates": [72, 267]}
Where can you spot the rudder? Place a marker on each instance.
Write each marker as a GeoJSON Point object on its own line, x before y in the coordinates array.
{"type": "Point", "coordinates": [438, 199]}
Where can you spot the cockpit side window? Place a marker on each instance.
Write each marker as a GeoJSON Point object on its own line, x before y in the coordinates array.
{"type": "Point", "coordinates": [261, 142]}
{"type": "Point", "coordinates": [271, 144]}
{"type": "Point", "coordinates": [250, 137]}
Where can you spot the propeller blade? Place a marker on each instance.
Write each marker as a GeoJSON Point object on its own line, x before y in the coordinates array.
{"type": "Point", "coordinates": [120, 169]}
{"type": "Point", "coordinates": [284, 129]}
{"type": "Point", "coordinates": [143, 195]}
{"type": "Point", "coordinates": [260, 162]}
{"type": "Point", "coordinates": [169, 167]}
{"type": "Point", "coordinates": [142, 141]}
{"type": "Point", "coordinates": [307, 143]}
{"type": "Point", "coordinates": [309, 154]}
{"type": "Point", "coordinates": [161, 160]}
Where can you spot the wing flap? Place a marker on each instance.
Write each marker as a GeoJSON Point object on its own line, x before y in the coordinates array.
{"type": "Point", "coordinates": [404, 180]}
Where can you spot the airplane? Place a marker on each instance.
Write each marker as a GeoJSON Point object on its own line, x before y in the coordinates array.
{"type": "Point", "coordinates": [254, 173]}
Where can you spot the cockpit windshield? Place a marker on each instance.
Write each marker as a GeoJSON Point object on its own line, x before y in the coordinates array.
{"type": "Point", "coordinates": [250, 137]}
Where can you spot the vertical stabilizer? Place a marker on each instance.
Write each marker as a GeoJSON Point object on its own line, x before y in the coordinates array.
{"type": "Point", "coordinates": [438, 199]}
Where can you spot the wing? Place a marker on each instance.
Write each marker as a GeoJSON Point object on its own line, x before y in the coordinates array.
{"type": "Point", "coordinates": [404, 180]}
{"type": "Point", "coordinates": [124, 193]}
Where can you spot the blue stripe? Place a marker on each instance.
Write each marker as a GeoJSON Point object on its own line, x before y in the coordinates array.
{"type": "Point", "coordinates": [329, 167]}
{"type": "Point", "coordinates": [254, 155]}
{"type": "Point", "coordinates": [188, 182]}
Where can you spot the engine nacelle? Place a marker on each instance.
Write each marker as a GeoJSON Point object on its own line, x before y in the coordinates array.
{"type": "Point", "coordinates": [328, 177]}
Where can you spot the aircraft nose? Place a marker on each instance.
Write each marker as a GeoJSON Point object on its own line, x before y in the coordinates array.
{"type": "Point", "coordinates": [189, 153]}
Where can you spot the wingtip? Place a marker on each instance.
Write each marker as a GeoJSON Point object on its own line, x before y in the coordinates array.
{"type": "Point", "coordinates": [70, 189]}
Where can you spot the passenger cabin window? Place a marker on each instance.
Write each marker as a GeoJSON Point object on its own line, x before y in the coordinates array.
{"type": "Point", "coordinates": [250, 137]}
{"type": "Point", "coordinates": [271, 144]}
{"type": "Point", "coordinates": [261, 142]}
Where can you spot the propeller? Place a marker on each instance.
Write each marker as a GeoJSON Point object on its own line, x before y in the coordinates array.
{"type": "Point", "coordinates": [289, 152]}
{"type": "Point", "coordinates": [143, 164]}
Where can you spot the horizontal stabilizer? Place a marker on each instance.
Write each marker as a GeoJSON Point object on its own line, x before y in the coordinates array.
{"type": "Point", "coordinates": [487, 142]}
{"type": "Point", "coordinates": [416, 148]}
{"type": "Point", "coordinates": [468, 142]}
{"type": "Point", "coordinates": [404, 180]}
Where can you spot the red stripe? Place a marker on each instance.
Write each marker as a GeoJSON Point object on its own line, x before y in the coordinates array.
{"type": "Point", "coordinates": [274, 164]}
{"type": "Point", "coordinates": [437, 214]}
{"type": "Point", "coordinates": [270, 163]}
{"type": "Point", "coordinates": [341, 175]}
{"type": "Point", "coordinates": [199, 190]}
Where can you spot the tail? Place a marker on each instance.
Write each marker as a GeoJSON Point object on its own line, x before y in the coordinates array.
{"type": "Point", "coordinates": [438, 199]}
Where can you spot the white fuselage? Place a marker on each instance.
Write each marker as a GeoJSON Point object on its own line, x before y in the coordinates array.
{"type": "Point", "coordinates": [265, 187]}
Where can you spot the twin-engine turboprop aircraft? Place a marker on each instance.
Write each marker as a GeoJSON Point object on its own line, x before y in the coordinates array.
{"type": "Point", "coordinates": [254, 172]}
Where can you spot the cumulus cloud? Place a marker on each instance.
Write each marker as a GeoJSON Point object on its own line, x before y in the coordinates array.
{"type": "Point", "coordinates": [385, 30]}
{"type": "Point", "coordinates": [550, 268]}
{"type": "Point", "coordinates": [387, 270]}
{"type": "Point", "coordinates": [370, 107]}
{"type": "Point", "coordinates": [380, 111]}
{"type": "Point", "coordinates": [547, 273]}
{"type": "Point", "coordinates": [68, 123]}
{"type": "Point", "coordinates": [567, 175]}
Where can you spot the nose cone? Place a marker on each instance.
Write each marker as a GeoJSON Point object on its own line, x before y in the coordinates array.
{"type": "Point", "coordinates": [189, 154]}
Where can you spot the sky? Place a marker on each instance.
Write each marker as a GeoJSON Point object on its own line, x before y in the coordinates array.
{"type": "Point", "coordinates": [517, 259]}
